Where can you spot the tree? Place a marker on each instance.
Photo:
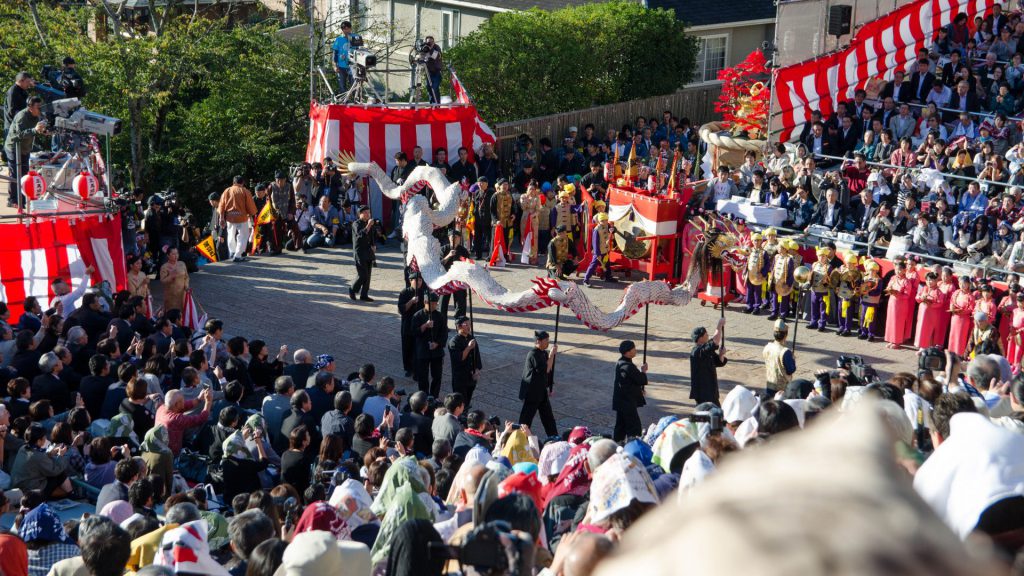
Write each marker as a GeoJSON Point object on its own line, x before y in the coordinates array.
{"type": "Point", "coordinates": [524, 64]}
{"type": "Point", "coordinates": [201, 99]}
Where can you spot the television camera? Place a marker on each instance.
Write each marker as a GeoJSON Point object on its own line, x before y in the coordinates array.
{"type": "Point", "coordinates": [361, 60]}
{"type": "Point", "coordinates": [68, 114]}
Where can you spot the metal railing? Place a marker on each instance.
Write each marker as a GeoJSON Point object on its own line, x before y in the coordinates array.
{"type": "Point", "coordinates": [958, 111]}
{"type": "Point", "coordinates": [916, 168]}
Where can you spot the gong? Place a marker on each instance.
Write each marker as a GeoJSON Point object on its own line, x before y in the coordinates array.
{"type": "Point", "coordinates": [626, 234]}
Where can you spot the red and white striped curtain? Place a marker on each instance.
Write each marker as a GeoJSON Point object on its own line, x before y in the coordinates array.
{"type": "Point", "coordinates": [877, 49]}
{"type": "Point", "coordinates": [33, 254]}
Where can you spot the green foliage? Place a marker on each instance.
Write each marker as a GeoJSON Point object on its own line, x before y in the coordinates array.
{"type": "Point", "coordinates": [525, 64]}
{"type": "Point", "coordinates": [201, 101]}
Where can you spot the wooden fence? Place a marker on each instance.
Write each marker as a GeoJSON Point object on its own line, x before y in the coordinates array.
{"type": "Point", "coordinates": [697, 104]}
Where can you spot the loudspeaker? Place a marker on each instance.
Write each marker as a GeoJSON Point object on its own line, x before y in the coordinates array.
{"type": "Point", "coordinates": [840, 17]}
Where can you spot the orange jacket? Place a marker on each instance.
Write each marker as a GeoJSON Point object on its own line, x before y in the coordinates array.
{"type": "Point", "coordinates": [236, 205]}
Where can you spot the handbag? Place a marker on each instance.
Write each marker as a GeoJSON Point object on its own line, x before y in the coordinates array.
{"type": "Point", "coordinates": [192, 466]}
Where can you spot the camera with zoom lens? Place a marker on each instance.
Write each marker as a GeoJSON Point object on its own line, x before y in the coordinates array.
{"type": "Point", "coordinates": [421, 46]}
{"type": "Point", "coordinates": [932, 358]}
{"type": "Point", "coordinates": [492, 549]}
{"type": "Point", "coordinates": [715, 417]}
{"type": "Point", "coordinates": [863, 373]}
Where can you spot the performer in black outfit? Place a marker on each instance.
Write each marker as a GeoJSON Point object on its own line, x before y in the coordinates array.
{"type": "Point", "coordinates": [364, 238]}
{"type": "Point", "coordinates": [431, 330]}
{"type": "Point", "coordinates": [410, 301]}
{"type": "Point", "coordinates": [705, 359]}
{"type": "Point", "coordinates": [628, 394]}
{"type": "Point", "coordinates": [453, 252]}
{"type": "Point", "coordinates": [536, 386]}
{"type": "Point", "coordinates": [465, 358]}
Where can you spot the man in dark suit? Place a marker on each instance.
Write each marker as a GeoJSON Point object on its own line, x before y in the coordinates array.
{"type": "Point", "coordinates": [628, 393]}
{"type": "Point", "coordinates": [420, 422]}
{"type": "Point", "coordinates": [363, 237]}
{"type": "Point", "coordinates": [885, 113]}
{"type": "Point", "coordinates": [849, 136]}
{"type": "Point", "coordinates": [921, 82]}
{"type": "Point", "coordinates": [536, 386]}
{"type": "Point", "coordinates": [899, 89]}
{"type": "Point", "coordinates": [950, 68]}
{"type": "Point", "coordinates": [362, 388]}
{"type": "Point", "coordinates": [861, 213]}
{"type": "Point", "coordinates": [818, 142]}
{"type": "Point", "coordinates": [302, 368]}
{"type": "Point", "coordinates": [49, 386]}
{"type": "Point", "coordinates": [829, 213]}
{"type": "Point", "coordinates": [963, 100]}
{"type": "Point", "coordinates": [300, 415]}
{"type": "Point", "coordinates": [809, 125]}
{"type": "Point", "coordinates": [431, 330]}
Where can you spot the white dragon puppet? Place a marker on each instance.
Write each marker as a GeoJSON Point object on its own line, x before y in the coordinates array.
{"type": "Point", "coordinates": [716, 244]}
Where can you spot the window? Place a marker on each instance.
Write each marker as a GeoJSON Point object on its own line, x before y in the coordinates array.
{"type": "Point", "coordinates": [450, 20]}
{"type": "Point", "coordinates": [711, 58]}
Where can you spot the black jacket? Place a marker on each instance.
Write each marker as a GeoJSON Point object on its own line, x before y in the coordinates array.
{"type": "Point", "coordinates": [362, 241]}
{"type": "Point", "coordinates": [423, 436]}
{"type": "Point", "coordinates": [465, 442]}
{"type": "Point", "coordinates": [238, 369]}
{"type": "Point", "coordinates": [299, 373]}
{"type": "Point", "coordinates": [404, 297]}
{"type": "Point", "coordinates": [93, 390]}
{"type": "Point", "coordinates": [462, 370]}
{"type": "Point", "coordinates": [294, 419]}
{"type": "Point", "coordinates": [438, 334]}
{"type": "Point", "coordinates": [360, 392]}
{"type": "Point", "coordinates": [142, 418]}
{"type": "Point", "coordinates": [534, 385]}
{"type": "Point", "coordinates": [628, 393]}
{"type": "Point", "coordinates": [52, 388]}
{"type": "Point", "coordinates": [821, 211]}
{"type": "Point", "coordinates": [17, 100]}
{"type": "Point", "coordinates": [919, 87]}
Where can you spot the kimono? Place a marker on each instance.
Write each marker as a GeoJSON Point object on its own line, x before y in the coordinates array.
{"type": "Point", "coordinates": [961, 305]}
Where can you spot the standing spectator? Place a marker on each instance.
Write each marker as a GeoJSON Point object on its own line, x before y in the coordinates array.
{"type": "Point", "coordinates": [463, 170]}
{"type": "Point", "coordinates": [236, 207]}
{"type": "Point", "coordinates": [174, 277]}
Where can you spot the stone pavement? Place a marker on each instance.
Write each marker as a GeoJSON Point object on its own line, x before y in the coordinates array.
{"type": "Point", "coordinates": [302, 300]}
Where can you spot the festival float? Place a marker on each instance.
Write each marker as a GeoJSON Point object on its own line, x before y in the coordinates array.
{"type": "Point", "coordinates": [743, 104]}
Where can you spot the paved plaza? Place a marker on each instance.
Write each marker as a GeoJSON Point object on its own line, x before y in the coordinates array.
{"type": "Point", "coordinates": [302, 300]}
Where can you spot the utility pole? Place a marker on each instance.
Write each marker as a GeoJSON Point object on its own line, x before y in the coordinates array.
{"type": "Point", "coordinates": [310, 4]}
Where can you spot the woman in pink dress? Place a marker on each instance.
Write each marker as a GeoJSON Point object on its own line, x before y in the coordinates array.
{"type": "Point", "coordinates": [929, 313]}
{"type": "Point", "coordinates": [961, 306]}
{"type": "Point", "coordinates": [986, 302]}
{"type": "Point", "coordinates": [899, 306]}
{"type": "Point", "coordinates": [1015, 349]}
{"type": "Point", "coordinates": [947, 285]}
{"type": "Point", "coordinates": [1006, 308]}
{"type": "Point", "coordinates": [914, 280]}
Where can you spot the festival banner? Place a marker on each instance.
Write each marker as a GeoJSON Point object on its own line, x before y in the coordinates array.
{"type": "Point", "coordinates": [878, 48]}
{"type": "Point", "coordinates": [207, 248]}
{"type": "Point", "coordinates": [266, 215]}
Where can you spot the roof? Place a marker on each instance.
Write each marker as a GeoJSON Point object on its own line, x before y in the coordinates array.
{"type": "Point", "coordinates": [704, 13]}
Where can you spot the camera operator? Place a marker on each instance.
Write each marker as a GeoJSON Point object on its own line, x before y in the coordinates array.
{"type": "Point", "coordinates": [430, 54]}
{"type": "Point", "coordinates": [17, 97]}
{"type": "Point", "coordinates": [365, 232]}
{"type": "Point", "coordinates": [21, 136]}
{"type": "Point", "coordinates": [303, 183]}
{"type": "Point", "coordinates": [70, 80]}
{"type": "Point", "coordinates": [339, 51]}
{"type": "Point", "coordinates": [131, 220]}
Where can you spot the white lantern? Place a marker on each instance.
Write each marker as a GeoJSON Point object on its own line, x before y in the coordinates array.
{"type": "Point", "coordinates": [85, 185]}
{"type": "Point", "coordinates": [32, 185]}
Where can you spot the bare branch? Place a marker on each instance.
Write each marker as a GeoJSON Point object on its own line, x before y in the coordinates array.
{"type": "Point", "coordinates": [38, 24]}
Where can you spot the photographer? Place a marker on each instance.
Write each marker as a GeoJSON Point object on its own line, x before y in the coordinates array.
{"type": "Point", "coordinates": [430, 55]}
{"type": "Point", "coordinates": [325, 222]}
{"type": "Point", "coordinates": [25, 126]}
{"type": "Point", "coordinates": [339, 51]}
{"type": "Point", "coordinates": [70, 81]}
{"type": "Point", "coordinates": [365, 232]}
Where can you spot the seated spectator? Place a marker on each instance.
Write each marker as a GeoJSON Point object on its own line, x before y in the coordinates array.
{"type": "Point", "coordinates": [39, 469]}
{"type": "Point", "coordinates": [326, 223]}
{"type": "Point", "coordinates": [247, 531]}
{"type": "Point", "coordinates": [475, 434]}
{"type": "Point", "coordinates": [172, 415]}
{"type": "Point", "coordinates": [47, 541]}
{"type": "Point", "coordinates": [126, 472]}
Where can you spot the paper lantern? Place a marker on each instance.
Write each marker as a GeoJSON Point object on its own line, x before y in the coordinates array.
{"type": "Point", "coordinates": [32, 185]}
{"type": "Point", "coordinates": [85, 185]}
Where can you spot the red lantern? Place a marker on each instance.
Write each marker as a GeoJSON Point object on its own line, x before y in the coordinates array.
{"type": "Point", "coordinates": [32, 185]}
{"type": "Point", "coordinates": [85, 185]}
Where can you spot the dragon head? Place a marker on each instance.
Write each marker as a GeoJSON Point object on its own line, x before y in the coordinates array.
{"type": "Point", "coordinates": [719, 240]}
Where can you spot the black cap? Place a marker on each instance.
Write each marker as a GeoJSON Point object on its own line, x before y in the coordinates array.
{"type": "Point", "coordinates": [261, 186]}
{"type": "Point", "coordinates": [626, 346]}
{"type": "Point", "coordinates": [540, 335]}
{"type": "Point", "coordinates": [483, 179]}
{"type": "Point", "coordinates": [461, 320]}
{"type": "Point", "coordinates": [433, 297]}
{"type": "Point", "coordinates": [280, 174]}
{"type": "Point", "coordinates": [698, 332]}
{"type": "Point", "coordinates": [364, 208]}
{"type": "Point", "coordinates": [68, 60]}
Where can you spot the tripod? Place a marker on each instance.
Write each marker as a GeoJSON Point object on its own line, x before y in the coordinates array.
{"type": "Point", "coordinates": [362, 90]}
{"type": "Point", "coordinates": [417, 87]}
